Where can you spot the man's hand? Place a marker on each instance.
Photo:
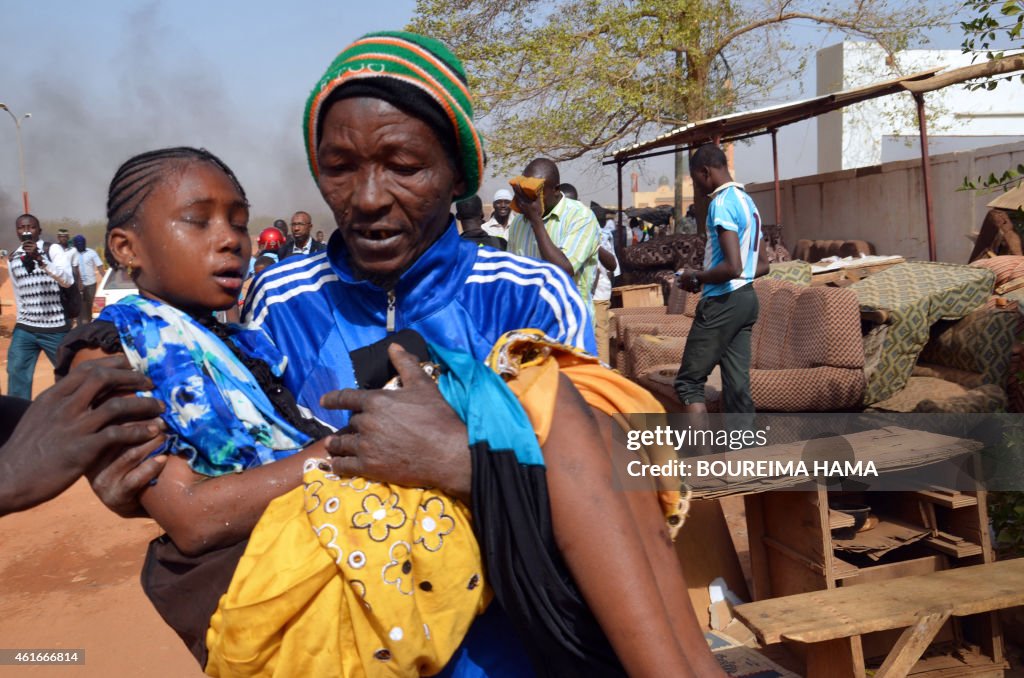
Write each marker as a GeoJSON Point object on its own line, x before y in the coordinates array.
{"type": "Point", "coordinates": [118, 481]}
{"type": "Point", "coordinates": [410, 436]}
{"type": "Point", "coordinates": [685, 279]}
{"type": "Point", "coordinates": [74, 428]}
{"type": "Point", "coordinates": [530, 209]}
{"type": "Point", "coordinates": [31, 250]}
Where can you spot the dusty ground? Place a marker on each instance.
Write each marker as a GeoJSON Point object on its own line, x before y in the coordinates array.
{"type": "Point", "coordinates": [69, 578]}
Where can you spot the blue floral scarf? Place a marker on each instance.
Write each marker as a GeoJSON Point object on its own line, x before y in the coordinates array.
{"type": "Point", "coordinates": [219, 418]}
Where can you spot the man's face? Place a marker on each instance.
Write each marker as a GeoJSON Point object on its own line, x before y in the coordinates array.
{"type": "Point", "coordinates": [502, 208]}
{"type": "Point", "coordinates": [301, 225]}
{"type": "Point", "coordinates": [388, 182]}
{"type": "Point", "coordinates": [27, 225]}
{"type": "Point", "coordinates": [62, 238]}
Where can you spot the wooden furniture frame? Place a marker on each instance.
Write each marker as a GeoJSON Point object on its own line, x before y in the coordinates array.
{"type": "Point", "coordinates": [793, 561]}
{"type": "Point", "coordinates": [831, 623]}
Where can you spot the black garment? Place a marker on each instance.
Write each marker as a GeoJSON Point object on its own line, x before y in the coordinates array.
{"type": "Point", "coordinates": [11, 411]}
{"type": "Point", "coordinates": [288, 249]}
{"type": "Point", "coordinates": [512, 523]}
{"type": "Point", "coordinates": [482, 237]}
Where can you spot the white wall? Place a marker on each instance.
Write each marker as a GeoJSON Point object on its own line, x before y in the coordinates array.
{"type": "Point", "coordinates": [884, 204]}
{"type": "Point", "coordinates": [852, 137]}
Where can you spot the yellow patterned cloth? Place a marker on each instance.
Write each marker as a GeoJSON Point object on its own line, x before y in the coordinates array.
{"type": "Point", "coordinates": [348, 577]}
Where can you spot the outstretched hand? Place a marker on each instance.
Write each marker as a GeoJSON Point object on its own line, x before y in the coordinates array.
{"type": "Point", "coordinates": [74, 428]}
{"type": "Point", "coordinates": [409, 436]}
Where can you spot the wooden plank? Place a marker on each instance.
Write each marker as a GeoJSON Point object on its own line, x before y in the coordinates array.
{"type": "Point", "coordinates": [961, 549]}
{"type": "Point", "coordinates": [879, 606]}
{"type": "Point", "coordinates": [705, 551]}
{"type": "Point", "coordinates": [965, 663]}
{"type": "Point", "coordinates": [753, 505]}
{"type": "Point", "coordinates": [906, 568]}
{"type": "Point", "coordinates": [839, 658]}
{"type": "Point", "coordinates": [911, 645]}
{"type": "Point", "coordinates": [891, 449]}
{"type": "Point", "coordinates": [795, 530]}
{"type": "Point", "coordinates": [950, 499]}
{"type": "Point", "coordinates": [838, 520]}
{"type": "Point", "coordinates": [842, 570]}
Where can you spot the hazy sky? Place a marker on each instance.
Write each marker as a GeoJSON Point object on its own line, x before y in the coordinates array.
{"type": "Point", "coordinates": [106, 80]}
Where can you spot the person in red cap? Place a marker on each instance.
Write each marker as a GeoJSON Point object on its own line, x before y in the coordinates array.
{"type": "Point", "coordinates": [268, 244]}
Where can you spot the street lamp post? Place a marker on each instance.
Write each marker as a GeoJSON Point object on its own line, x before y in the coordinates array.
{"type": "Point", "coordinates": [21, 151]}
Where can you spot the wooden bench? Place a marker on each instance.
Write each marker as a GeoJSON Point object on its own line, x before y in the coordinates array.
{"type": "Point", "coordinates": [831, 622]}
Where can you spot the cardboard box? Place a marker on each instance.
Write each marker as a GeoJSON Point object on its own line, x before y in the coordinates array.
{"type": "Point", "coordinates": [632, 296]}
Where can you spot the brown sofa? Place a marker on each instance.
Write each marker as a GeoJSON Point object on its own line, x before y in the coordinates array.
{"type": "Point", "coordinates": [807, 353]}
{"type": "Point", "coordinates": [656, 259]}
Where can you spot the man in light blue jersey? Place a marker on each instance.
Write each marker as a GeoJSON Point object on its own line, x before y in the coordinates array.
{"type": "Point", "coordinates": [727, 310]}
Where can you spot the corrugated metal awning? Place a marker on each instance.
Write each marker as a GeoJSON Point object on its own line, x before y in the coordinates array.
{"type": "Point", "coordinates": [761, 121]}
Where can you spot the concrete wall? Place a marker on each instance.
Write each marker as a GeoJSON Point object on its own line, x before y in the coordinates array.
{"type": "Point", "coordinates": [884, 204]}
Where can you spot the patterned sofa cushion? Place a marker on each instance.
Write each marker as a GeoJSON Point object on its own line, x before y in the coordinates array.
{"type": "Point", "coordinates": [777, 301]}
{"type": "Point", "coordinates": [1008, 269]}
{"type": "Point", "coordinates": [915, 295]}
{"type": "Point", "coordinates": [807, 354]}
{"type": "Point", "coordinates": [819, 389]}
{"type": "Point", "coordinates": [797, 272]}
{"type": "Point", "coordinates": [981, 342]}
{"type": "Point", "coordinates": [929, 394]}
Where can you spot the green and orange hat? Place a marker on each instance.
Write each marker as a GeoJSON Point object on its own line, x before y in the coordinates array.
{"type": "Point", "coordinates": [412, 72]}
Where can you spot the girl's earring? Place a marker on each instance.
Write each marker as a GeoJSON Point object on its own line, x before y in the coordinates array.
{"type": "Point", "coordinates": [131, 267]}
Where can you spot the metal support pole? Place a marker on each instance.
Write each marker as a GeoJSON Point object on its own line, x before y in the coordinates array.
{"type": "Point", "coordinates": [778, 189]}
{"type": "Point", "coordinates": [926, 170]}
{"type": "Point", "coordinates": [21, 152]}
{"type": "Point", "coordinates": [620, 240]}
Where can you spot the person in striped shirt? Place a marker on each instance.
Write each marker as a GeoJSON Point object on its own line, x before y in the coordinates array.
{"type": "Point", "coordinates": [728, 307]}
{"type": "Point", "coordinates": [566, 234]}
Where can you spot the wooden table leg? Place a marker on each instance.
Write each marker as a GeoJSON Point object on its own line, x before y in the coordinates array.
{"type": "Point", "coordinates": [839, 658]}
{"type": "Point", "coordinates": [911, 645]}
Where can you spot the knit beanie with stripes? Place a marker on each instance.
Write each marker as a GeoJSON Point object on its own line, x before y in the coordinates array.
{"type": "Point", "coordinates": [413, 73]}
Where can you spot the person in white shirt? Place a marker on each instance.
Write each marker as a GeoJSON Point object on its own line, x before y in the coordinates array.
{"type": "Point", "coordinates": [90, 269]}
{"type": "Point", "coordinates": [37, 275]}
{"type": "Point", "coordinates": [497, 225]}
{"type": "Point", "coordinates": [607, 269]}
